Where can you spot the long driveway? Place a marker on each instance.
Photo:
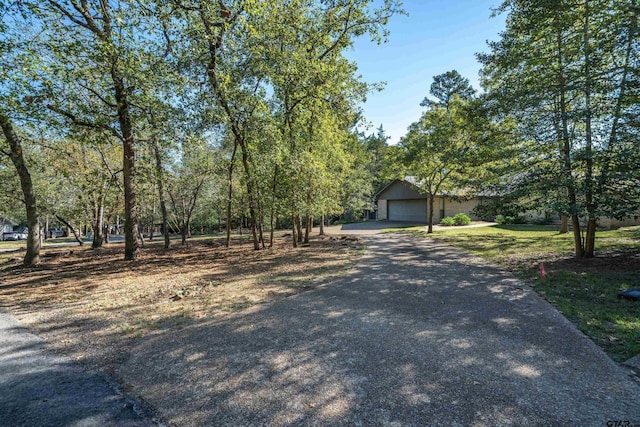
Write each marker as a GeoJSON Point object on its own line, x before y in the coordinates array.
{"type": "Point", "coordinates": [417, 334]}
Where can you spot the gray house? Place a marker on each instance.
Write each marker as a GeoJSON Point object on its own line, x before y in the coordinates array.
{"type": "Point", "coordinates": [402, 200]}
{"type": "Point", "coordinates": [6, 224]}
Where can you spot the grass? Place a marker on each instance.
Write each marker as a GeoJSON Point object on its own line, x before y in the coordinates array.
{"type": "Point", "coordinates": [584, 291]}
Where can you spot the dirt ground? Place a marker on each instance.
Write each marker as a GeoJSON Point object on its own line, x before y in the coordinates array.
{"type": "Point", "coordinates": [93, 306]}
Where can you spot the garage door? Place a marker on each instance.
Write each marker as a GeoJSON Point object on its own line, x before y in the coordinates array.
{"type": "Point", "coordinates": [408, 210]}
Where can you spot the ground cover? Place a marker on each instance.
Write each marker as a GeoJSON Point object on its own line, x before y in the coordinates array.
{"type": "Point", "coordinates": [92, 305]}
{"type": "Point", "coordinates": [585, 291]}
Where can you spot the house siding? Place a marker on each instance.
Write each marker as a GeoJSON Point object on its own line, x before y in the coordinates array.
{"type": "Point", "coordinates": [452, 207]}
{"type": "Point", "coordinates": [6, 224]}
{"type": "Point", "coordinates": [400, 190]}
{"type": "Point", "coordinates": [612, 223]}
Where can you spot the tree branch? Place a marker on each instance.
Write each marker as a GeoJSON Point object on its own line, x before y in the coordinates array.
{"type": "Point", "coordinates": [84, 123]}
{"type": "Point", "coordinates": [97, 95]}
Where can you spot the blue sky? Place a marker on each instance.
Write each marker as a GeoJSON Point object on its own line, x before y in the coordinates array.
{"type": "Point", "coordinates": [437, 36]}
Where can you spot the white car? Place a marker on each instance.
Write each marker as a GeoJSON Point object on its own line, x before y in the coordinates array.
{"type": "Point", "coordinates": [24, 233]}
{"type": "Point", "coordinates": [10, 235]}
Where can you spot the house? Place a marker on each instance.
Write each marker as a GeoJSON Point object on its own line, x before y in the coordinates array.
{"type": "Point", "coordinates": [402, 200]}
{"type": "Point", "coordinates": [6, 224]}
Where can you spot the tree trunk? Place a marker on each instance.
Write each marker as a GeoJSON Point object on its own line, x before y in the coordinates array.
{"type": "Point", "coordinates": [307, 228]}
{"type": "Point", "coordinates": [152, 225]}
{"type": "Point", "coordinates": [273, 202]}
{"type": "Point", "coordinates": [294, 237]}
{"type": "Point", "coordinates": [299, 227]}
{"type": "Point", "coordinates": [139, 232]}
{"type": "Point", "coordinates": [271, 231]}
{"type": "Point", "coordinates": [32, 257]}
{"type": "Point", "coordinates": [589, 244]}
{"type": "Point", "coordinates": [564, 224]}
{"type": "Point", "coordinates": [261, 234]}
{"type": "Point", "coordinates": [165, 222]}
{"type": "Point", "coordinates": [566, 147]}
{"type": "Point", "coordinates": [251, 196]}
{"type": "Point", "coordinates": [131, 234]}
{"type": "Point", "coordinates": [431, 203]}
{"type": "Point", "coordinates": [98, 224]}
{"type": "Point", "coordinates": [321, 225]}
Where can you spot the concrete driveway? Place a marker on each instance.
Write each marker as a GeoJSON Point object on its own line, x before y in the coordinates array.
{"type": "Point", "coordinates": [417, 334]}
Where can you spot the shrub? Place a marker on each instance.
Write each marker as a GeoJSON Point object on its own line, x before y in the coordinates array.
{"type": "Point", "coordinates": [447, 221]}
{"type": "Point", "coordinates": [485, 211]}
{"type": "Point", "coordinates": [519, 219]}
{"type": "Point", "coordinates": [510, 219]}
{"type": "Point", "coordinates": [461, 219]}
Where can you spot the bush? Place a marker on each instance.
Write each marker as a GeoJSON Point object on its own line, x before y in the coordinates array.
{"type": "Point", "coordinates": [519, 219]}
{"type": "Point", "coordinates": [447, 221]}
{"type": "Point", "coordinates": [510, 219]}
{"type": "Point", "coordinates": [485, 211]}
{"type": "Point", "coordinates": [461, 219]}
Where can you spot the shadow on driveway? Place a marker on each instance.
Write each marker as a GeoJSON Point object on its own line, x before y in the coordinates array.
{"type": "Point", "coordinates": [417, 334]}
{"type": "Point", "coordinates": [38, 388]}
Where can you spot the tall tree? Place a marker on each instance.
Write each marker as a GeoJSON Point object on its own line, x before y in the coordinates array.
{"type": "Point", "coordinates": [450, 148]}
{"type": "Point", "coordinates": [569, 71]}
{"type": "Point", "coordinates": [16, 153]}
{"type": "Point", "coordinates": [447, 85]}
{"type": "Point", "coordinates": [96, 51]}
{"type": "Point", "coordinates": [17, 64]}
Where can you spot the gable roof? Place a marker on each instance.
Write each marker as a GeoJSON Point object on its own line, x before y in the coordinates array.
{"type": "Point", "coordinates": [414, 182]}
{"type": "Point", "coordinates": [6, 221]}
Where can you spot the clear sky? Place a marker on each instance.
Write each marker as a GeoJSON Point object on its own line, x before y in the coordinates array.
{"type": "Point", "coordinates": [437, 36]}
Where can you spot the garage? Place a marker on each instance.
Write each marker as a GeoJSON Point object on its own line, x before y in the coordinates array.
{"type": "Point", "coordinates": [408, 210]}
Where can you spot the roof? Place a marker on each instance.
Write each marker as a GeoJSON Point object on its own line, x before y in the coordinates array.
{"type": "Point", "coordinates": [5, 220]}
{"type": "Point", "coordinates": [413, 181]}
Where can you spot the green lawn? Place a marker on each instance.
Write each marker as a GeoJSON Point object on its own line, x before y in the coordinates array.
{"type": "Point", "coordinates": [585, 291]}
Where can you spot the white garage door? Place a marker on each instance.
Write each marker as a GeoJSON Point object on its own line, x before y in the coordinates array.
{"type": "Point", "coordinates": [408, 210]}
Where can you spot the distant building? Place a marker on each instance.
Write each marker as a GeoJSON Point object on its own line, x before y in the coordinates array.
{"type": "Point", "coordinates": [402, 200]}
{"type": "Point", "coordinates": [6, 224]}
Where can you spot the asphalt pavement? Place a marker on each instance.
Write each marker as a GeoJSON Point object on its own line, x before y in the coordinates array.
{"type": "Point", "coordinates": [38, 388]}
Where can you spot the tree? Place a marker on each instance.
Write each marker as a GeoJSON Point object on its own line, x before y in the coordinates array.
{"type": "Point", "coordinates": [84, 181]}
{"type": "Point", "coordinates": [569, 72]}
{"type": "Point", "coordinates": [195, 167]}
{"type": "Point", "coordinates": [16, 154]}
{"type": "Point", "coordinates": [376, 147]}
{"type": "Point", "coordinates": [16, 68]}
{"type": "Point", "coordinates": [279, 62]}
{"type": "Point", "coordinates": [97, 54]}
{"type": "Point", "coordinates": [446, 86]}
{"type": "Point", "coordinates": [453, 149]}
